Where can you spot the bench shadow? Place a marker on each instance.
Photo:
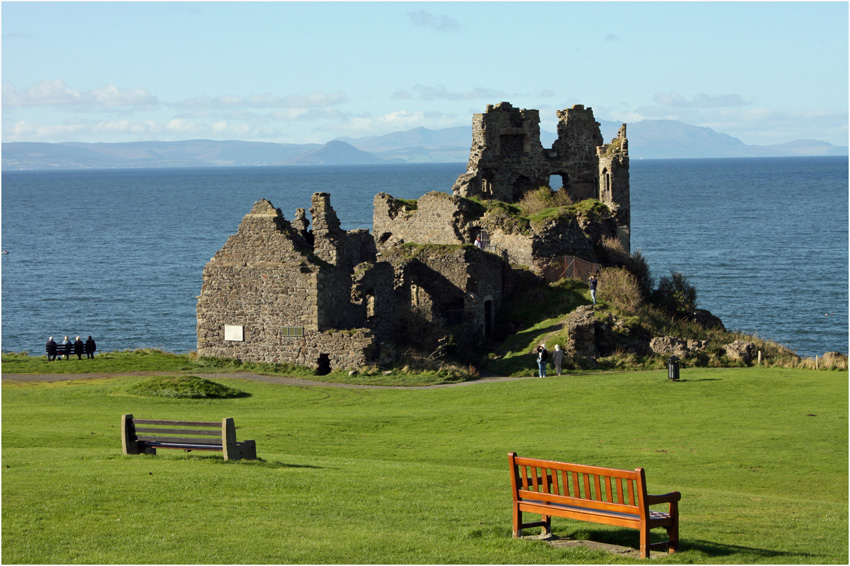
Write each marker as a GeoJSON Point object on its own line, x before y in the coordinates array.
{"type": "Point", "coordinates": [628, 539]}
{"type": "Point", "coordinates": [270, 464]}
{"type": "Point", "coordinates": [720, 549]}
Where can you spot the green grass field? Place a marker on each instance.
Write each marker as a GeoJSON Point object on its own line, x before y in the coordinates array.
{"type": "Point", "coordinates": [420, 475]}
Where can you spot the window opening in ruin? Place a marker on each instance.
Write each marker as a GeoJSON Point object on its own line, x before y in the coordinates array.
{"type": "Point", "coordinates": [557, 182]}
{"type": "Point", "coordinates": [293, 331]}
{"type": "Point", "coordinates": [488, 319]}
{"type": "Point", "coordinates": [521, 186]}
{"type": "Point", "coordinates": [370, 306]}
{"type": "Point", "coordinates": [323, 364]}
{"type": "Point", "coordinates": [384, 237]}
{"type": "Point", "coordinates": [606, 186]}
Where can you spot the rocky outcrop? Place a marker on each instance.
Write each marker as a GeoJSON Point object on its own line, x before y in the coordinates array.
{"type": "Point", "coordinates": [670, 346]}
{"type": "Point", "coordinates": [740, 350]}
{"type": "Point", "coordinates": [707, 320]}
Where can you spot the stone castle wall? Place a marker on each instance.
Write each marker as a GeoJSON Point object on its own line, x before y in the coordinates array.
{"type": "Point", "coordinates": [438, 218]}
{"type": "Point", "coordinates": [327, 298]}
{"type": "Point", "coordinates": [507, 159]}
{"type": "Point", "coordinates": [265, 289]}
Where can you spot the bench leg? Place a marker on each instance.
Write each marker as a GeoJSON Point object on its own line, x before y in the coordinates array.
{"type": "Point", "coordinates": [128, 435]}
{"type": "Point", "coordinates": [673, 536]}
{"type": "Point", "coordinates": [517, 521]}
{"type": "Point", "coordinates": [644, 541]}
{"type": "Point", "coordinates": [547, 525]}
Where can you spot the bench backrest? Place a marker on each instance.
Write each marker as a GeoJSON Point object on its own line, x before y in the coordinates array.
{"type": "Point", "coordinates": [605, 489]}
{"type": "Point", "coordinates": [194, 432]}
{"type": "Point", "coordinates": [200, 433]}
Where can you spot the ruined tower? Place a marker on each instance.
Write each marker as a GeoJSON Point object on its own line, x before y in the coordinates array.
{"type": "Point", "coordinates": [506, 159]}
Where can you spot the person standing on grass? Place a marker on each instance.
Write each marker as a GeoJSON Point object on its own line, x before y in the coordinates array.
{"type": "Point", "coordinates": [90, 348]}
{"type": "Point", "coordinates": [542, 359]}
{"type": "Point", "coordinates": [558, 358]}
{"type": "Point", "coordinates": [593, 288]}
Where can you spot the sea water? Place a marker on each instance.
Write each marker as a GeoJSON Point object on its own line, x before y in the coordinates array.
{"type": "Point", "coordinates": [119, 254]}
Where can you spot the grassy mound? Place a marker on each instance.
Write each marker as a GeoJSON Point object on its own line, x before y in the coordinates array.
{"type": "Point", "coordinates": [184, 387]}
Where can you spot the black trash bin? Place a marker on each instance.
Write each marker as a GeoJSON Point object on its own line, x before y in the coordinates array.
{"type": "Point", "coordinates": [673, 368]}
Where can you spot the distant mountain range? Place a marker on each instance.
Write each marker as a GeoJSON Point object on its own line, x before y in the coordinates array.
{"type": "Point", "coordinates": [648, 139]}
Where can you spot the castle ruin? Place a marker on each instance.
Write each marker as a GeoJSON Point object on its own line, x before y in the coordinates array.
{"type": "Point", "coordinates": [326, 298]}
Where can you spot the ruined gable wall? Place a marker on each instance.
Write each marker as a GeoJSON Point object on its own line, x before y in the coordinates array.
{"type": "Point", "coordinates": [261, 280]}
{"type": "Point", "coordinates": [265, 281]}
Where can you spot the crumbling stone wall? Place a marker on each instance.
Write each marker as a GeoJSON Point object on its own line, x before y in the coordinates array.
{"type": "Point", "coordinates": [438, 218]}
{"type": "Point", "coordinates": [267, 283]}
{"type": "Point", "coordinates": [507, 160]}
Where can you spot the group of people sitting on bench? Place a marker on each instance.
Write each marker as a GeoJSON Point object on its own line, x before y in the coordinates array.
{"type": "Point", "coordinates": [66, 348]}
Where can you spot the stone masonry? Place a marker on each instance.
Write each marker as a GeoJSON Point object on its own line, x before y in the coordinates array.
{"type": "Point", "coordinates": [326, 298]}
{"type": "Point", "coordinates": [507, 160]}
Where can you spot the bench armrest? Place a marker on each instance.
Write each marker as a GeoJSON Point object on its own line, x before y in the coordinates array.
{"type": "Point", "coordinates": [671, 497]}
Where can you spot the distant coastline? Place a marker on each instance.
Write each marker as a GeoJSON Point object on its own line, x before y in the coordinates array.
{"type": "Point", "coordinates": [648, 139]}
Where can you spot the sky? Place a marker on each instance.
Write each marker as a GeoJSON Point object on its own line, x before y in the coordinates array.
{"type": "Point", "coordinates": [310, 72]}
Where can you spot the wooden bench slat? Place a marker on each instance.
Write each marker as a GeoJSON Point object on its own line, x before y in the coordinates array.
{"type": "Point", "coordinates": [589, 503]}
{"type": "Point", "coordinates": [182, 446]}
{"type": "Point", "coordinates": [179, 439]}
{"type": "Point", "coordinates": [186, 423]}
{"type": "Point", "coordinates": [179, 431]}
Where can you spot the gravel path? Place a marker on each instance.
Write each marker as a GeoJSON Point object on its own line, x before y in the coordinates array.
{"type": "Point", "coordinates": [280, 380]}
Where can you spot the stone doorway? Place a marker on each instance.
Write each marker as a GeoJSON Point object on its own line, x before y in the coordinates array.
{"type": "Point", "coordinates": [323, 364]}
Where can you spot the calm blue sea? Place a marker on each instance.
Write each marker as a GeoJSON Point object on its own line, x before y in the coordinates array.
{"type": "Point", "coordinates": [118, 254]}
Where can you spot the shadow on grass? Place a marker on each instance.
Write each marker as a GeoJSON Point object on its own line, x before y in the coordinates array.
{"type": "Point", "coordinates": [526, 336]}
{"type": "Point", "coordinates": [212, 458]}
{"type": "Point", "coordinates": [629, 538]}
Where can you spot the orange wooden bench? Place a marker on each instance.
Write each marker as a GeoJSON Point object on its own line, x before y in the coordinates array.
{"type": "Point", "coordinates": [589, 493]}
{"type": "Point", "coordinates": [144, 436]}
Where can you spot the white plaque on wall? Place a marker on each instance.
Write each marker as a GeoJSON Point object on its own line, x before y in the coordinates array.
{"type": "Point", "coordinates": [233, 333]}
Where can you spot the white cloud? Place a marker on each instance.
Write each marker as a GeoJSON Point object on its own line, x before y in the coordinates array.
{"type": "Point", "coordinates": [440, 92]}
{"type": "Point", "coordinates": [56, 93]}
{"type": "Point", "coordinates": [701, 100]}
{"type": "Point", "coordinates": [422, 18]}
{"type": "Point", "coordinates": [311, 100]}
{"type": "Point", "coordinates": [28, 131]}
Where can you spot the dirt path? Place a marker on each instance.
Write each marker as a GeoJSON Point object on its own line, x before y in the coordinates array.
{"type": "Point", "coordinates": [280, 380]}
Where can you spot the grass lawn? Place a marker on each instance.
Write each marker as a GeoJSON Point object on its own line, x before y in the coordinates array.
{"type": "Point", "coordinates": [421, 476]}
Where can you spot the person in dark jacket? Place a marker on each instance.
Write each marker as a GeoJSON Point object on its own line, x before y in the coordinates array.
{"type": "Point", "coordinates": [90, 348]}
{"type": "Point", "coordinates": [51, 349]}
{"type": "Point", "coordinates": [593, 282]}
{"type": "Point", "coordinates": [79, 348]}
